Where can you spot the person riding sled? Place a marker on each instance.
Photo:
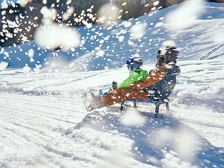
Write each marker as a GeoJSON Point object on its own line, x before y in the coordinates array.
{"type": "Point", "coordinates": [136, 73]}
{"type": "Point", "coordinates": [140, 84]}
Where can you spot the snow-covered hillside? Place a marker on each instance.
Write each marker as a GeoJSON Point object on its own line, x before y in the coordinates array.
{"type": "Point", "coordinates": [103, 48]}
{"type": "Point", "coordinates": [44, 122]}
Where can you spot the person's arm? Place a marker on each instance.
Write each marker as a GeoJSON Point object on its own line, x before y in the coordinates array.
{"type": "Point", "coordinates": [131, 79]}
{"type": "Point", "coordinates": [155, 76]}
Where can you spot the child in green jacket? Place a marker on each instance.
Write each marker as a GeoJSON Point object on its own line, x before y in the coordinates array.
{"type": "Point", "coordinates": [136, 72]}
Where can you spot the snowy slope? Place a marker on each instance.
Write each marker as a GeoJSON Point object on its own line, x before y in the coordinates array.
{"type": "Point", "coordinates": [103, 47]}
{"type": "Point", "coordinates": [44, 123]}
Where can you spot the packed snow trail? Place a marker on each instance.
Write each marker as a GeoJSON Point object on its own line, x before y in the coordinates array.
{"type": "Point", "coordinates": [43, 121]}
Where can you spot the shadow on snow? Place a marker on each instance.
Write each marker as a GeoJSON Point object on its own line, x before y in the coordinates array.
{"type": "Point", "coordinates": [205, 155]}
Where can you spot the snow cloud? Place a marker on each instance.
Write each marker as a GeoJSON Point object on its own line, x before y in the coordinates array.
{"type": "Point", "coordinates": [68, 13]}
{"type": "Point", "coordinates": [182, 141]}
{"type": "Point", "coordinates": [49, 13]}
{"type": "Point", "coordinates": [137, 31]}
{"type": "Point", "coordinates": [133, 118]}
{"type": "Point", "coordinates": [26, 69]}
{"type": "Point", "coordinates": [24, 2]}
{"type": "Point", "coordinates": [56, 64]}
{"type": "Point", "coordinates": [4, 4]}
{"type": "Point", "coordinates": [108, 14]}
{"type": "Point", "coordinates": [30, 54]}
{"type": "Point", "coordinates": [3, 65]}
{"type": "Point", "coordinates": [54, 35]}
{"type": "Point", "coordinates": [185, 143]}
{"type": "Point", "coordinates": [185, 15]}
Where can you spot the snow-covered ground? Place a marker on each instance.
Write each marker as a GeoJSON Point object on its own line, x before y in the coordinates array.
{"type": "Point", "coordinates": [43, 122]}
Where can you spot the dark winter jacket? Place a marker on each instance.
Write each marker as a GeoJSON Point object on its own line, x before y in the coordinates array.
{"type": "Point", "coordinates": [161, 90]}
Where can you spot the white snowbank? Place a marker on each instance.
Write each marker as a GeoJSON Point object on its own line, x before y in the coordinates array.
{"type": "Point", "coordinates": [185, 15]}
